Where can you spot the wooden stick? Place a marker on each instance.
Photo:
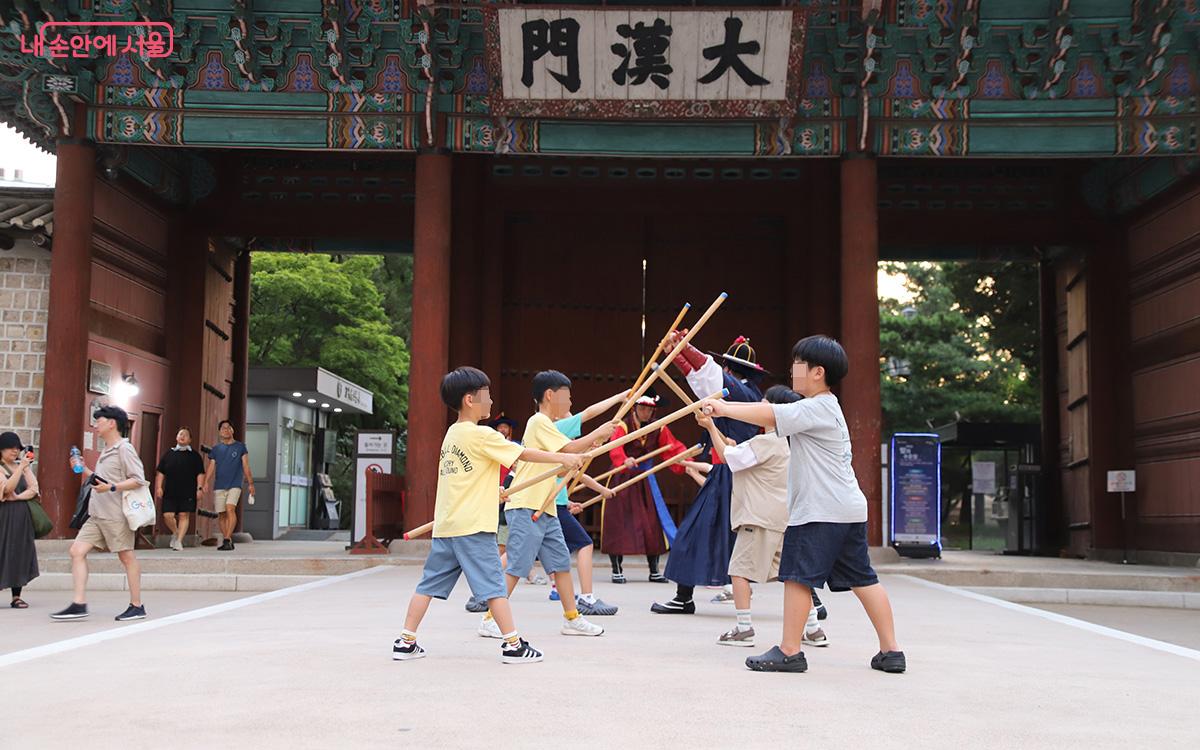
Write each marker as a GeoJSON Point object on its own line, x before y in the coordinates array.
{"type": "Point", "coordinates": [670, 381]}
{"type": "Point", "coordinates": [655, 425]}
{"type": "Point", "coordinates": [637, 384]}
{"type": "Point", "coordinates": [689, 453]}
{"type": "Point", "coordinates": [427, 527]}
{"type": "Point", "coordinates": [506, 491]}
{"type": "Point", "coordinates": [608, 474]}
{"type": "Point", "coordinates": [636, 394]}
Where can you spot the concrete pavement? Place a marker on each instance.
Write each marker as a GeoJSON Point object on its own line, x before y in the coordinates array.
{"type": "Point", "coordinates": [312, 669]}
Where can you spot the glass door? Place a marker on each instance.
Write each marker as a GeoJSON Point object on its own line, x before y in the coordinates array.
{"type": "Point", "coordinates": [295, 482]}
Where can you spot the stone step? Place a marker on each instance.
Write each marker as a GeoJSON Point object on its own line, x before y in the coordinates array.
{"type": "Point", "coordinates": [173, 582]}
{"type": "Point", "coordinates": [1141, 580]}
{"type": "Point", "coordinates": [1100, 597]}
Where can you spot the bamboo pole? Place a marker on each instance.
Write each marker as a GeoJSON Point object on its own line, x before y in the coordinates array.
{"type": "Point", "coordinates": [655, 425]}
{"type": "Point", "coordinates": [689, 453]}
{"type": "Point", "coordinates": [637, 383]}
{"type": "Point", "coordinates": [637, 393]}
{"type": "Point", "coordinates": [608, 474]}
{"type": "Point", "coordinates": [666, 378]}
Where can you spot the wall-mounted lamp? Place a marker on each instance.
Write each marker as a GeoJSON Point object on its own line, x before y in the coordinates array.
{"type": "Point", "coordinates": [128, 386]}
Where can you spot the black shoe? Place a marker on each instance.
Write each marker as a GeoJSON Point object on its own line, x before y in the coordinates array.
{"type": "Point", "coordinates": [226, 545]}
{"type": "Point", "coordinates": [477, 605]}
{"type": "Point", "coordinates": [207, 513]}
{"type": "Point", "coordinates": [674, 607]}
{"type": "Point", "coordinates": [133, 613]}
{"type": "Point", "coordinates": [618, 578]}
{"type": "Point", "coordinates": [73, 612]}
{"type": "Point", "coordinates": [402, 651]}
{"type": "Point", "coordinates": [522, 654]}
{"type": "Point", "coordinates": [658, 578]}
{"type": "Point", "coordinates": [776, 661]}
{"type": "Point", "coordinates": [822, 613]}
{"type": "Point", "coordinates": [891, 662]}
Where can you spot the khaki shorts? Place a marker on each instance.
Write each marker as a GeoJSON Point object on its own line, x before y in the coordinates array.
{"type": "Point", "coordinates": [756, 554]}
{"type": "Point", "coordinates": [106, 536]}
{"type": "Point", "coordinates": [225, 498]}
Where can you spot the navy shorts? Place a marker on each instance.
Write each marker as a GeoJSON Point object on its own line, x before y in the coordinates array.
{"type": "Point", "coordinates": [474, 556]}
{"type": "Point", "coordinates": [529, 540]}
{"type": "Point", "coordinates": [816, 554]}
{"type": "Point", "coordinates": [573, 532]}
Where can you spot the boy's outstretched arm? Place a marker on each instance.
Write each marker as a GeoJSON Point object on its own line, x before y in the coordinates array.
{"type": "Point", "coordinates": [588, 441]}
{"type": "Point", "coordinates": [596, 487]}
{"type": "Point", "coordinates": [568, 460]}
{"type": "Point", "coordinates": [760, 414]}
{"type": "Point", "coordinates": [719, 441]}
{"type": "Point", "coordinates": [600, 407]}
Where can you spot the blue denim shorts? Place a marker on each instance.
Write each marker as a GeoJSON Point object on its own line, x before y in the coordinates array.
{"type": "Point", "coordinates": [816, 554]}
{"type": "Point", "coordinates": [573, 532]}
{"type": "Point", "coordinates": [529, 540]}
{"type": "Point", "coordinates": [474, 556]}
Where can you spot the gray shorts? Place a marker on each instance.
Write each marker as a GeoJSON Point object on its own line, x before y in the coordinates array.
{"type": "Point", "coordinates": [474, 555]}
{"type": "Point", "coordinates": [529, 540]}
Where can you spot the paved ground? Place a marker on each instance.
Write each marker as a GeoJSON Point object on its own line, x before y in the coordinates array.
{"type": "Point", "coordinates": [310, 668]}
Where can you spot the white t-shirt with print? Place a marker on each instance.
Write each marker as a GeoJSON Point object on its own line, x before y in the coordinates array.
{"type": "Point", "coordinates": [821, 482]}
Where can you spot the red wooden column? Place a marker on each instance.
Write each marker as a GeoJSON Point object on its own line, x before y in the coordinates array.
{"type": "Point", "coordinates": [860, 391]}
{"type": "Point", "coordinates": [64, 392]}
{"type": "Point", "coordinates": [427, 414]}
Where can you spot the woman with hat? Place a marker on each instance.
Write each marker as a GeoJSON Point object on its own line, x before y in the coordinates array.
{"type": "Point", "coordinates": [704, 543]}
{"type": "Point", "coordinates": [632, 521]}
{"type": "Point", "coordinates": [18, 554]}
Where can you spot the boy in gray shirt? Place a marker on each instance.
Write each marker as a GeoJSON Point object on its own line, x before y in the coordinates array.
{"type": "Point", "coordinates": [826, 538]}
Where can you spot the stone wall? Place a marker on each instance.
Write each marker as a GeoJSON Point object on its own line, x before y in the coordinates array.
{"type": "Point", "coordinates": [24, 301]}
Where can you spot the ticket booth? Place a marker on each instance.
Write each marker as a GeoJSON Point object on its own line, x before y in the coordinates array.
{"type": "Point", "coordinates": [292, 419]}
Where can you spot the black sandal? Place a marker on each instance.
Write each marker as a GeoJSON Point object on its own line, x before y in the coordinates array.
{"type": "Point", "coordinates": [19, 603]}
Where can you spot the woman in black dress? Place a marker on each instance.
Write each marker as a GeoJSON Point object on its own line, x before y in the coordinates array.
{"type": "Point", "coordinates": [18, 554]}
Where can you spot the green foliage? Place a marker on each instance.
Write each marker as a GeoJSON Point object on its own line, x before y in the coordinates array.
{"type": "Point", "coordinates": [309, 310]}
{"type": "Point", "coordinates": [966, 346]}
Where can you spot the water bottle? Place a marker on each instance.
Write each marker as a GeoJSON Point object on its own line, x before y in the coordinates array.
{"type": "Point", "coordinates": [76, 460]}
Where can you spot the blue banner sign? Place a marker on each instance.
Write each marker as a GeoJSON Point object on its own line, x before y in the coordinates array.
{"type": "Point", "coordinates": [916, 491]}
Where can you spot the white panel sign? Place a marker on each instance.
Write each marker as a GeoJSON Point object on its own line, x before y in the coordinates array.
{"type": "Point", "coordinates": [375, 443]}
{"type": "Point", "coordinates": [1122, 481]}
{"type": "Point", "coordinates": [983, 477]}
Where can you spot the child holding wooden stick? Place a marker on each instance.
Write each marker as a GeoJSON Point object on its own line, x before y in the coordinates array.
{"type": "Point", "coordinates": [826, 539]}
{"type": "Point", "coordinates": [464, 516]}
{"type": "Point", "coordinates": [542, 538]}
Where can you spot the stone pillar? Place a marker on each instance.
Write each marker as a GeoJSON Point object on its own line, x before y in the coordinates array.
{"type": "Point", "coordinates": [427, 415]}
{"type": "Point", "coordinates": [860, 391]}
{"type": "Point", "coordinates": [65, 390]}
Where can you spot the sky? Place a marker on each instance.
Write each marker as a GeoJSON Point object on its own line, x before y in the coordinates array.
{"type": "Point", "coordinates": [18, 153]}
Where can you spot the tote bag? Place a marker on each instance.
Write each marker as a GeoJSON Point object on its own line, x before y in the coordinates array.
{"type": "Point", "coordinates": [138, 505]}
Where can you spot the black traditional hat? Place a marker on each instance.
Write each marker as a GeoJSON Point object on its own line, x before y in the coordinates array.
{"type": "Point", "coordinates": [740, 358]}
{"type": "Point", "coordinates": [495, 423]}
{"type": "Point", "coordinates": [649, 398]}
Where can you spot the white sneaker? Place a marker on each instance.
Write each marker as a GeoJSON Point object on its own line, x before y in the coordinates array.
{"type": "Point", "coordinates": [816, 638]}
{"type": "Point", "coordinates": [488, 628]}
{"type": "Point", "coordinates": [176, 544]}
{"type": "Point", "coordinates": [580, 626]}
{"type": "Point", "coordinates": [725, 597]}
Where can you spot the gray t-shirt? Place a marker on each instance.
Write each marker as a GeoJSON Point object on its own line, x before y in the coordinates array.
{"type": "Point", "coordinates": [821, 482]}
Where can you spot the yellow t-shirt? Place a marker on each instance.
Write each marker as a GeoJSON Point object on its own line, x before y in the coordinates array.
{"type": "Point", "coordinates": [542, 435]}
{"type": "Point", "coordinates": [468, 488]}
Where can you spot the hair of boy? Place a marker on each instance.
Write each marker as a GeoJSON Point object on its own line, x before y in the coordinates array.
{"type": "Point", "coordinates": [822, 351]}
{"type": "Point", "coordinates": [548, 380]}
{"type": "Point", "coordinates": [458, 384]}
{"type": "Point", "coordinates": [781, 394]}
{"type": "Point", "coordinates": [224, 422]}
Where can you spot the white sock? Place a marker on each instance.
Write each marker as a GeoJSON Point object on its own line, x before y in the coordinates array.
{"type": "Point", "coordinates": [812, 623]}
{"type": "Point", "coordinates": [743, 619]}
{"type": "Point", "coordinates": [728, 589]}
{"type": "Point", "coordinates": [589, 598]}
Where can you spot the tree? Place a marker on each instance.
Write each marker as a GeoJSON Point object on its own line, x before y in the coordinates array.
{"type": "Point", "coordinates": [309, 310]}
{"type": "Point", "coordinates": [942, 360]}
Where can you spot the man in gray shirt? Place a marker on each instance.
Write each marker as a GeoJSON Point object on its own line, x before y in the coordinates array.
{"type": "Point", "coordinates": [826, 538]}
{"type": "Point", "coordinates": [118, 469]}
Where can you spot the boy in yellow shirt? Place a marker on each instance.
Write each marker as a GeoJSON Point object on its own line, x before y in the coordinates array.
{"type": "Point", "coordinates": [464, 516]}
{"type": "Point", "coordinates": [543, 539]}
